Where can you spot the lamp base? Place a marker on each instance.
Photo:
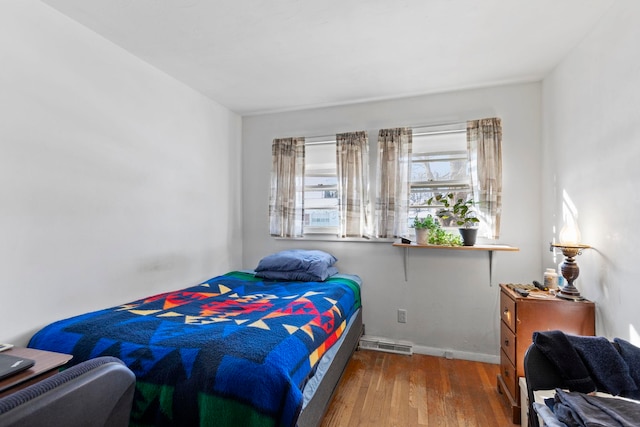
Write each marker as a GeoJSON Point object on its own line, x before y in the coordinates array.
{"type": "Point", "coordinates": [570, 297]}
{"type": "Point", "coordinates": [570, 271]}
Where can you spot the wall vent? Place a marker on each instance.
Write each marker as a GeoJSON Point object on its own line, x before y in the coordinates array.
{"type": "Point", "coordinates": [380, 344]}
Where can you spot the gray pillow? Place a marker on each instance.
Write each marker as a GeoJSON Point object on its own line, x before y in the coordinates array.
{"type": "Point", "coordinates": [301, 264]}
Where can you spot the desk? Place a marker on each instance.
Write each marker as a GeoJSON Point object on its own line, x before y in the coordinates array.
{"type": "Point", "coordinates": [47, 364]}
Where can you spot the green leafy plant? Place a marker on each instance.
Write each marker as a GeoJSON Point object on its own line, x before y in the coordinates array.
{"type": "Point", "coordinates": [427, 222]}
{"type": "Point", "coordinates": [460, 210]}
{"type": "Point", "coordinates": [436, 234]}
{"type": "Point", "coordinates": [442, 237]}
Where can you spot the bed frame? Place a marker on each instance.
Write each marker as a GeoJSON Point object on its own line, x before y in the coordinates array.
{"type": "Point", "coordinates": [313, 413]}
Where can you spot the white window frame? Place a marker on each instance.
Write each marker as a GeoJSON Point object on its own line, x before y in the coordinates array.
{"type": "Point", "coordinates": [327, 169]}
{"type": "Point", "coordinates": [462, 187]}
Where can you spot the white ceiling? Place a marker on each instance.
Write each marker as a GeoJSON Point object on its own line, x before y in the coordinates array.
{"type": "Point", "coordinates": [256, 56]}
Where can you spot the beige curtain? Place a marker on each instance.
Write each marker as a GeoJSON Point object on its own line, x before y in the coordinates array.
{"type": "Point", "coordinates": [393, 181]}
{"type": "Point", "coordinates": [484, 143]}
{"type": "Point", "coordinates": [287, 187]}
{"type": "Point", "coordinates": [352, 155]}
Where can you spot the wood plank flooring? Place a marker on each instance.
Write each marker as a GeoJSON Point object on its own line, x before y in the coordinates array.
{"type": "Point", "coordinates": [384, 389]}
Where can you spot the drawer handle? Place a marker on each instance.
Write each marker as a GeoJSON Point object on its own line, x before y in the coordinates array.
{"type": "Point", "coordinates": [506, 311]}
{"type": "Point", "coordinates": [506, 374]}
{"type": "Point", "coordinates": [506, 342]}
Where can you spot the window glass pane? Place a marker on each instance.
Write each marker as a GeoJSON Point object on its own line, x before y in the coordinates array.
{"type": "Point", "coordinates": [321, 188]}
{"type": "Point", "coordinates": [320, 191]}
{"type": "Point", "coordinates": [322, 218]}
{"type": "Point", "coordinates": [320, 158]}
{"type": "Point", "coordinates": [439, 165]}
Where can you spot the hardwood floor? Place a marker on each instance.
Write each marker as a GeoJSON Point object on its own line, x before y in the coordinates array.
{"type": "Point", "coordinates": [384, 389]}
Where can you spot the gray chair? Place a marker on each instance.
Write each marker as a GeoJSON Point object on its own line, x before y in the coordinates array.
{"type": "Point", "coordinates": [97, 392]}
{"type": "Point", "coordinates": [540, 374]}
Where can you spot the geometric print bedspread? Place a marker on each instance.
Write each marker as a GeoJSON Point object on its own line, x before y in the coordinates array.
{"type": "Point", "coordinates": [235, 350]}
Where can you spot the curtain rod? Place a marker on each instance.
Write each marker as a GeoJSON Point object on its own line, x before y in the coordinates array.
{"type": "Point", "coordinates": [330, 139]}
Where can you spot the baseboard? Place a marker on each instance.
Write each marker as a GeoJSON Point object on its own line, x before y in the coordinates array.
{"type": "Point", "coordinates": [456, 354]}
{"type": "Point", "coordinates": [368, 342]}
{"type": "Point", "coordinates": [386, 345]}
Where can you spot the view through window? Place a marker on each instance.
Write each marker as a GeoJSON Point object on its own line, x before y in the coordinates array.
{"type": "Point", "coordinates": [439, 165]}
{"type": "Point", "coordinates": [320, 187]}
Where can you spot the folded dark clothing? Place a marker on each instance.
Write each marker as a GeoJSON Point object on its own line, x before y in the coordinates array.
{"type": "Point", "coordinates": [566, 415]}
{"type": "Point", "coordinates": [573, 408]}
{"type": "Point", "coordinates": [631, 355]}
{"type": "Point", "coordinates": [547, 415]}
{"type": "Point", "coordinates": [556, 347]}
{"type": "Point", "coordinates": [605, 365]}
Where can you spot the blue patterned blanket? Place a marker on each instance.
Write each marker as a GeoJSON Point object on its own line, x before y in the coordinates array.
{"type": "Point", "coordinates": [232, 351]}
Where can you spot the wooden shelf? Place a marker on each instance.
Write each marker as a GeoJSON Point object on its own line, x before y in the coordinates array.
{"type": "Point", "coordinates": [490, 249]}
{"type": "Point", "coordinates": [461, 248]}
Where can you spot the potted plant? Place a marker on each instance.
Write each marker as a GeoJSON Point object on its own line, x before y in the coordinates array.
{"type": "Point", "coordinates": [462, 213]}
{"type": "Point", "coordinates": [423, 227]}
{"type": "Point", "coordinates": [429, 232]}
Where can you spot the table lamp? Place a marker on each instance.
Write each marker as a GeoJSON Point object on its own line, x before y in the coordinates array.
{"type": "Point", "coordinates": [571, 247]}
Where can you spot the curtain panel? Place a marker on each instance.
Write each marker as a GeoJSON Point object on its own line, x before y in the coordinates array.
{"type": "Point", "coordinates": [484, 144]}
{"type": "Point", "coordinates": [393, 181]}
{"type": "Point", "coordinates": [352, 157]}
{"type": "Point", "coordinates": [286, 201]}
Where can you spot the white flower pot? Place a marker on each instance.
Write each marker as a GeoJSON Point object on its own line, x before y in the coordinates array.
{"type": "Point", "coordinates": [422, 236]}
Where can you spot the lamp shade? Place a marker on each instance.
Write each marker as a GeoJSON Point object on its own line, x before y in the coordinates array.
{"type": "Point", "coordinates": [570, 233]}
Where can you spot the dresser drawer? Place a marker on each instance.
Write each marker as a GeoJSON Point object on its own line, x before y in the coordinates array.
{"type": "Point", "coordinates": [508, 311]}
{"type": "Point", "coordinates": [508, 342]}
{"type": "Point", "coordinates": [508, 372]}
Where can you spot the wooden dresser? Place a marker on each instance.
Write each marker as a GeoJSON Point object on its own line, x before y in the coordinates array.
{"type": "Point", "coordinates": [520, 318]}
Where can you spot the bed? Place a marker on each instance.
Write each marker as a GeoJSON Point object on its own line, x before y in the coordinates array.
{"type": "Point", "coordinates": [237, 349]}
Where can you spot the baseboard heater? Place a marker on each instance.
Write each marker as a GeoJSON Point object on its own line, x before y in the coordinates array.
{"type": "Point", "coordinates": [389, 346]}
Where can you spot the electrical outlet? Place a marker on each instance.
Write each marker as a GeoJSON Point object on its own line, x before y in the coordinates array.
{"type": "Point", "coordinates": [402, 315]}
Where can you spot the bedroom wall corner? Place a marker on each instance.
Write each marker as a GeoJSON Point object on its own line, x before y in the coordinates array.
{"type": "Point", "coordinates": [117, 181]}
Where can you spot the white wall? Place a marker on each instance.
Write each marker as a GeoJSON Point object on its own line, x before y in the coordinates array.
{"type": "Point", "coordinates": [450, 303]}
{"type": "Point", "coordinates": [591, 123]}
{"type": "Point", "coordinates": [116, 181]}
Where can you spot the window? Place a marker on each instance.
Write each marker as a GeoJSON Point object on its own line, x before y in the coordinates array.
{"type": "Point", "coordinates": [320, 187]}
{"type": "Point", "coordinates": [439, 165]}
